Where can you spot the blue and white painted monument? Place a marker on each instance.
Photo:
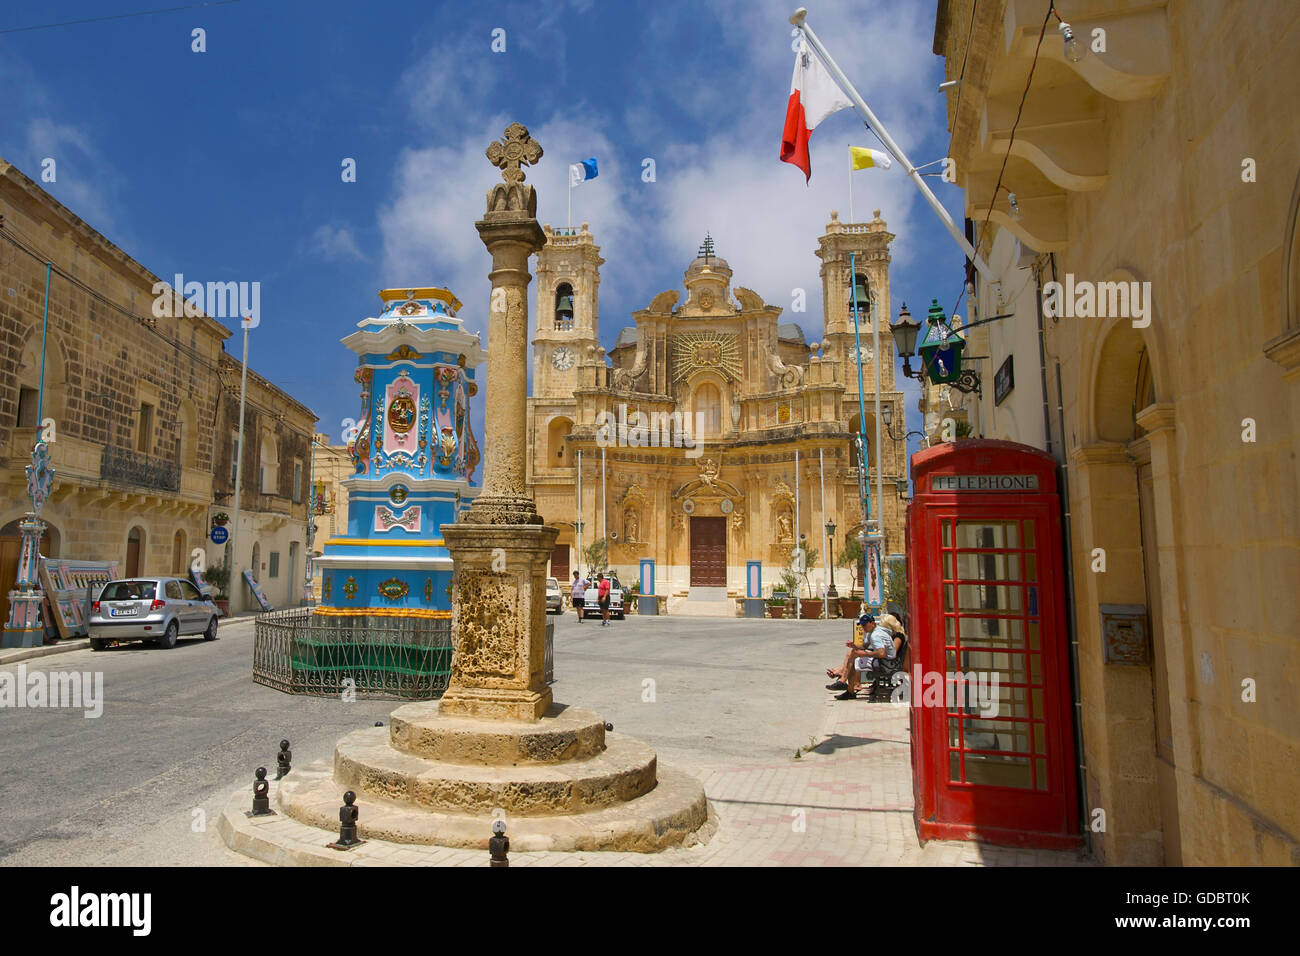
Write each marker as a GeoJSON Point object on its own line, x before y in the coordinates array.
{"type": "Point", "coordinates": [414, 454]}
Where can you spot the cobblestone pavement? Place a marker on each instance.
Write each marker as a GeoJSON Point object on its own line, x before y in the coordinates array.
{"type": "Point", "coordinates": [730, 702]}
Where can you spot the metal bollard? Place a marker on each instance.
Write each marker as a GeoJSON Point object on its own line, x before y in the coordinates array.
{"type": "Point", "coordinates": [261, 802]}
{"type": "Point", "coordinates": [499, 844]}
{"type": "Point", "coordinates": [609, 727]}
{"type": "Point", "coordinates": [379, 723]}
{"type": "Point", "coordinates": [282, 760]}
{"type": "Point", "coordinates": [347, 824]}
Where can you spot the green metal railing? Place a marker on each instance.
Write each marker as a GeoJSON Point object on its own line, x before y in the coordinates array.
{"type": "Point", "coordinates": [299, 652]}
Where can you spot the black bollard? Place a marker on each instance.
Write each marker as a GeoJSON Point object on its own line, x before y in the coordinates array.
{"type": "Point", "coordinates": [499, 844]}
{"type": "Point", "coordinates": [282, 760]}
{"type": "Point", "coordinates": [261, 802]}
{"type": "Point", "coordinates": [379, 723]}
{"type": "Point", "coordinates": [609, 727]}
{"type": "Point", "coordinates": [347, 824]}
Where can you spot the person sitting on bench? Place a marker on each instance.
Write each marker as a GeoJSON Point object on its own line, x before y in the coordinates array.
{"type": "Point", "coordinates": [880, 644]}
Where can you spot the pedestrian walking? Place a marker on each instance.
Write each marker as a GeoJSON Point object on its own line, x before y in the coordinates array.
{"type": "Point", "coordinates": [578, 595]}
{"type": "Point", "coordinates": [602, 596]}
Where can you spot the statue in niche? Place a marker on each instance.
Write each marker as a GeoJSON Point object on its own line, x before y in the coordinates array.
{"type": "Point", "coordinates": [784, 528]}
{"type": "Point", "coordinates": [631, 527]}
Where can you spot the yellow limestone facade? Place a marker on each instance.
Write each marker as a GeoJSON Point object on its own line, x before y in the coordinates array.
{"type": "Point", "coordinates": [1170, 160]}
{"type": "Point", "coordinates": [726, 395]}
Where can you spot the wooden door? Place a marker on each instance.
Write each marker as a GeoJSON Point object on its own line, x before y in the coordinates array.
{"type": "Point", "coordinates": [9, 548]}
{"type": "Point", "coordinates": [560, 564]}
{"type": "Point", "coordinates": [708, 552]}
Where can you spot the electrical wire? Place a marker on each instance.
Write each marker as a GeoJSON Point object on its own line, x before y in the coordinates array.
{"type": "Point", "coordinates": [117, 16]}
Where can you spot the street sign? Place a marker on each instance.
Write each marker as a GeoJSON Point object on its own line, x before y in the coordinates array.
{"type": "Point", "coordinates": [219, 534]}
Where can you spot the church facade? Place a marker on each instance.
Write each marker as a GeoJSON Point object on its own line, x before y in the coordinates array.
{"type": "Point", "coordinates": [712, 434]}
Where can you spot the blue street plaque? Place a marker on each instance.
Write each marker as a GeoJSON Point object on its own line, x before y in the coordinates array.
{"type": "Point", "coordinates": [219, 534]}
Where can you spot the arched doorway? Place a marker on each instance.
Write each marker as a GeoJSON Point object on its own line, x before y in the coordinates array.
{"type": "Point", "coordinates": [557, 448]}
{"type": "Point", "coordinates": [135, 552]}
{"type": "Point", "coordinates": [1126, 473]}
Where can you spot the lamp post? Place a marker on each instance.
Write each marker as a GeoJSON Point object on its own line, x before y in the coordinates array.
{"type": "Point", "coordinates": [831, 593]}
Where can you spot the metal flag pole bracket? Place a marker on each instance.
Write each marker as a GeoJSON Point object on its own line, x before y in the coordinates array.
{"type": "Point", "coordinates": [797, 19]}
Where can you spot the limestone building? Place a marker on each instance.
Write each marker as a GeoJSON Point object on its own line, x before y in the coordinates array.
{"type": "Point", "coordinates": [133, 395]}
{"type": "Point", "coordinates": [331, 465]}
{"type": "Point", "coordinates": [1170, 163]}
{"type": "Point", "coordinates": [275, 488]}
{"type": "Point", "coordinates": [129, 395]}
{"type": "Point", "coordinates": [708, 432]}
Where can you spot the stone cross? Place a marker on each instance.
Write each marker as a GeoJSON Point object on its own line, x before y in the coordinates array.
{"type": "Point", "coordinates": [517, 148]}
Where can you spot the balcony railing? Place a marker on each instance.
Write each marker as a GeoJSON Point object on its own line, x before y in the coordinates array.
{"type": "Point", "coordinates": [122, 467]}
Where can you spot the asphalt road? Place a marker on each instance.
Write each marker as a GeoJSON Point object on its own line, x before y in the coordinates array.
{"type": "Point", "coordinates": [181, 729]}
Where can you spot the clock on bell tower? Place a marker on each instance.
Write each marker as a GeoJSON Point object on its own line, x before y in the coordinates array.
{"type": "Point", "coordinates": [568, 280]}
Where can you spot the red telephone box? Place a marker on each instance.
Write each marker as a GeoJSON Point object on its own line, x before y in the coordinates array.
{"type": "Point", "coordinates": [992, 739]}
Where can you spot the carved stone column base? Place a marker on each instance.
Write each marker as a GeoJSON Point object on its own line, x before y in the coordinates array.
{"type": "Point", "coordinates": [503, 510]}
{"type": "Point", "coordinates": [498, 620]}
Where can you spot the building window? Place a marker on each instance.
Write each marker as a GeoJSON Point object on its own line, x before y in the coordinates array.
{"type": "Point", "coordinates": [144, 434]}
{"type": "Point", "coordinates": [270, 467]}
{"type": "Point", "coordinates": [274, 570]}
{"type": "Point", "coordinates": [708, 410]}
{"type": "Point", "coordinates": [234, 456]}
{"type": "Point", "coordinates": [27, 401]}
{"type": "Point", "coordinates": [297, 481]}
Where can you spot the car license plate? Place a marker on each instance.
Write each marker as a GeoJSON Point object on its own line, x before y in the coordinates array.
{"type": "Point", "coordinates": [122, 611]}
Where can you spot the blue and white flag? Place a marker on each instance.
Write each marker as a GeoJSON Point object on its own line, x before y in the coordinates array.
{"type": "Point", "coordinates": [583, 171]}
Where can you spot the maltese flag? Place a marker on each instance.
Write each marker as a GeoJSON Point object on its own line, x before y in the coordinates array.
{"type": "Point", "coordinates": [813, 97]}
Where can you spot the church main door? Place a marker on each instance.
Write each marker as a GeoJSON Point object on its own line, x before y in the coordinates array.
{"type": "Point", "coordinates": [708, 552]}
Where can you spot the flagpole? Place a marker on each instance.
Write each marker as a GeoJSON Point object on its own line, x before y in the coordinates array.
{"type": "Point", "coordinates": [796, 525]}
{"type": "Point", "coordinates": [570, 222]}
{"type": "Point", "coordinates": [797, 19]}
{"type": "Point", "coordinates": [851, 219]}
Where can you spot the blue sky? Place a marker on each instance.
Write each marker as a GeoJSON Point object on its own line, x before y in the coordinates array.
{"type": "Point", "coordinates": [226, 164]}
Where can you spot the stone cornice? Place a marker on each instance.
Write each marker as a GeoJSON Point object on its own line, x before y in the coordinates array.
{"type": "Point", "coordinates": [1100, 453]}
{"type": "Point", "coordinates": [1285, 351]}
{"type": "Point", "coordinates": [1157, 417]}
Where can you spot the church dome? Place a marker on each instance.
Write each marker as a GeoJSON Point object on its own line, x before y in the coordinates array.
{"type": "Point", "coordinates": [713, 263]}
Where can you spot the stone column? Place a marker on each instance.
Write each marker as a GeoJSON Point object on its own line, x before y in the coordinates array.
{"type": "Point", "coordinates": [499, 551]}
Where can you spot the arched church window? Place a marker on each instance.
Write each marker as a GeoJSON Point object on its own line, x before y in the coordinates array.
{"type": "Point", "coordinates": [708, 409]}
{"type": "Point", "coordinates": [563, 307]}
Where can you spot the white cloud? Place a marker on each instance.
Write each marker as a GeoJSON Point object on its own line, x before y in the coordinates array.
{"type": "Point", "coordinates": [336, 244]}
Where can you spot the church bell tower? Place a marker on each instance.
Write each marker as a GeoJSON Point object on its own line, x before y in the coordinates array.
{"type": "Point", "coordinates": [568, 282]}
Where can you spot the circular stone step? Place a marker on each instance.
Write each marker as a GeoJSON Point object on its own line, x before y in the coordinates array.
{"type": "Point", "coordinates": [674, 813]}
{"type": "Point", "coordinates": [564, 733]}
{"type": "Point", "coordinates": [365, 761]}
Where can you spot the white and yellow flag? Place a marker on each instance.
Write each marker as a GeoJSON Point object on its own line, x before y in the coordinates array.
{"type": "Point", "coordinates": [863, 158]}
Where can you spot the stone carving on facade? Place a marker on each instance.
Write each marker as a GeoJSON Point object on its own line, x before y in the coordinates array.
{"type": "Point", "coordinates": [789, 376]}
{"type": "Point", "coordinates": [509, 154]}
{"type": "Point", "coordinates": [663, 303]}
{"type": "Point", "coordinates": [625, 377]}
{"type": "Point", "coordinates": [709, 486]}
{"type": "Point", "coordinates": [631, 526]}
{"type": "Point", "coordinates": [706, 351]}
{"type": "Point", "coordinates": [749, 300]}
{"type": "Point", "coordinates": [784, 526]}
{"type": "Point", "coordinates": [487, 639]}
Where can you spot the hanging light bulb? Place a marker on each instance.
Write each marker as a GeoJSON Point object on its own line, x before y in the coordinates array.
{"type": "Point", "coordinates": [1074, 50]}
{"type": "Point", "coordinates": [1015, 207]}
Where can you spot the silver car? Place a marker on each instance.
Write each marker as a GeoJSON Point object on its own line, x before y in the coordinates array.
{"type": "Point", "coordinates": [154, 610]}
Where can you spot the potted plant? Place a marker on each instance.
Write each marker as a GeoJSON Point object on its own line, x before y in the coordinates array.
{"type": "Point", "coordinates": [803, 560]}
{"type": "Point", "coordinates": [221, 519]}
{"type": "Point", "coordinates": [219, 577]}
{"type": "Point", "coordinates": [634, 593]}
{"type": "Point", "coordinates": [776, 605]}
{"type": "Point", "coordinates": [851, 557]}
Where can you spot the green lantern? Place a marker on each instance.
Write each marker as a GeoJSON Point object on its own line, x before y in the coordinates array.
{"type": "Point", "coordinates": [941, 347]}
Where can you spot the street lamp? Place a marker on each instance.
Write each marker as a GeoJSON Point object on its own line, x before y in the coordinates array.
{"type": "Point", "coordinates": [831, 593]}
{"type": "Point", "coordinates": [904, 332]}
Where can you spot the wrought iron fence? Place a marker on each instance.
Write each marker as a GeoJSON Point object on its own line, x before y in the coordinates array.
{"type": "Point", "coordinates": [134, 468]}
{"type": "Point", "coordinates": [300, 652]}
